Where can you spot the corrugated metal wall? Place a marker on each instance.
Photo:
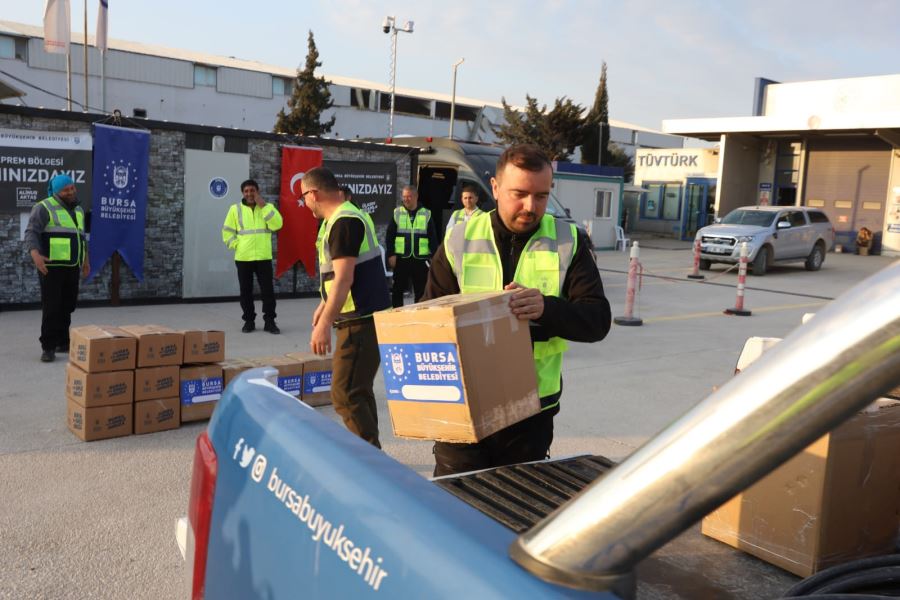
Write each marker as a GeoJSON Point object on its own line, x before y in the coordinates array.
{"type": "Point", "coordinates": [245, 83]}
{"type": "Point", "coordinates": [848, 179]}
{"type": "Point", "coordinates": [119, 65]}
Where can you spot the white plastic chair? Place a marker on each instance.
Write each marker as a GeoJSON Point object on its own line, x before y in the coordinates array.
{"type": "Point", "coordinates": [384, 262]}
{"type": "Point", "coordinates": [621, 239]}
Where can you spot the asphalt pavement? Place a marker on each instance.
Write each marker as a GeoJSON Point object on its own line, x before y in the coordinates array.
{"type": "Point", "coordinates": [96, 520]}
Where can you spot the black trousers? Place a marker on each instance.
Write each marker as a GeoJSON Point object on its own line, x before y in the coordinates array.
{"type": "Point", "coordinates": [353, 369]}
{"type": "Point", "coordinates": [59, 292]}
{"type": "Point", "coordinates": [246, 269]}
{"type": "Point", "coordinates": [406, 271]}
{"type": "Point", "coordinates": [525, 441]}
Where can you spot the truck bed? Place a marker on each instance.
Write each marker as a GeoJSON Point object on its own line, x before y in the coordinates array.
{"type": "Point", "coordinates": [690, 567]}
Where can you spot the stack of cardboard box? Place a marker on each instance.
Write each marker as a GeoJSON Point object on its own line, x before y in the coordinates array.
{"type": "Point", "coordinates": [201, 374]}
{"type": "Point", "coordinates": [156, 378]}
{"type": "Point", "coordinates": [100, 382]}
{"type": "Point", "coordinates": [301, 374]}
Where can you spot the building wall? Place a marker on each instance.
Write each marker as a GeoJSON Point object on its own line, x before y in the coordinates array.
{"type": "Point", "coordinates": [891, 242]}
{"type": "Point", "coordinates": [738, 172]}
{"type": "Point", "coordinates": [833, 96]}
{"type": "Point", "coordinates": [163, 245]}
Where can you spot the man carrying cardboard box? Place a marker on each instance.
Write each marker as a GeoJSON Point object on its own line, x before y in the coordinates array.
{"type": "Point", "coordinates": [353, 286]}
{"type": "Point", "coordinates": [558, 289]}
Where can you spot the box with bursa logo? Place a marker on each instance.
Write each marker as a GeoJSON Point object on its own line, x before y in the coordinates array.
{"type": "Point", "coordinates": [456, 368]}
{"type": "Point", "coordinates": [290, 372]}
{"type": "Point", "coordinates": [201, 388]}
{"type": "Point", "coordinates": [157, 345]}
{"type": "Point", "coordinates": [316, 388]}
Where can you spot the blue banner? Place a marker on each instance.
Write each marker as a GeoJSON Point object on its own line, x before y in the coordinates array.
{"type": "Point", "coordinates": [119, 203]}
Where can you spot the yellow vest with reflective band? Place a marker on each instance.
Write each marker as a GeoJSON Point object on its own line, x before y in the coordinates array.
{"type": "Point", "coordinates": [63, 238]}
{"type": "Point", "coordinates": [360, 302]}
{"type": "Point", "coordinates": [412, 235]}
{"type": "Point", "coordinates": [459, 216]}
{"type": "Point", "coordinates": [473, 256]}
{"type": "Point", "coordinates": [248, 231]}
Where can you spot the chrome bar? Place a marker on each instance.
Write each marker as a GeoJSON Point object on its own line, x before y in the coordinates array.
{"type": "Point", "coordinates": [846, 356]}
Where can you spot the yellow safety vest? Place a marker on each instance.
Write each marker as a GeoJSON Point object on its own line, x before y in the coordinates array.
{"type": "Point", "coordinates": [459, 216]}
{"type": "Point", "coordinates": [248, 231]}
{"type": "Point", "coordinates": [473, 256]}
{"type": "Point", "coordinates": [412, 234]}
{"type": "Point", "coordinates": [63, 238]}
{"type": "Point", "coordinates": [369, 292]}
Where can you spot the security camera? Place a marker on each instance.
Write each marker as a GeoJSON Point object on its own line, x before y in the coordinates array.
{"type": "Point", "coordinates": [386, 25]}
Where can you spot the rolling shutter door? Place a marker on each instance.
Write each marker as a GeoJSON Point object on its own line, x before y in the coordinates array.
{"type": "Point", "coordinates": [848, 179]}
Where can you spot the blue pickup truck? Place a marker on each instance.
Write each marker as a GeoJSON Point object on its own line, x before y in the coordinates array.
{"type": "Point", "coordinates": [285, 503]}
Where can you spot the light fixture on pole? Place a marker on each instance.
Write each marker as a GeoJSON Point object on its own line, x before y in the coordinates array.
{"type": "Point", "coordinates": [390, 26]}
{"type": "Point", "coordinates": [453, 97]}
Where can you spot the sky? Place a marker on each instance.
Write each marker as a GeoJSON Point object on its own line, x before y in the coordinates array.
{"type": "Point", "coordinates": [665, 59]}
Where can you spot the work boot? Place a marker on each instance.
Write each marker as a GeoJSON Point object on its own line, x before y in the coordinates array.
{"type": "Point", "coordinates": [248, 327]}
{"type": "Point", "coordinates": [48, 356]}
{"type": "Point", "coordinates": [272, 328]}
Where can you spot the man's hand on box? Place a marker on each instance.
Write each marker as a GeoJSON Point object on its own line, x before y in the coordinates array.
{"type": "Point", "coordinates": [526, 303]}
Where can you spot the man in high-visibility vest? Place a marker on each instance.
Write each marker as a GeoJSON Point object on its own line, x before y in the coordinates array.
{"type": "Point", "coordinates": [352, 286]}
{"type": "Point", "coordinates": [54, 238]}
{"type": "Point", "coordinates": [557, 287]}
{"type": "Point", "coordinates": [410, 241]}
{"type": "Point", "coordinates": [470, 208]}
{"type": "Point", "coordinates": [248, 231]}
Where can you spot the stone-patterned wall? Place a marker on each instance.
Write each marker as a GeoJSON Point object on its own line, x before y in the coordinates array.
{"type": "Point", "coordinates": [163, 244]}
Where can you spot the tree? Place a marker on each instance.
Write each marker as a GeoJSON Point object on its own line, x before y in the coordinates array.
{"type": "Point", "coordinates": [557, 132]}
{"type": "Point", "coordinates": [595, 150]}
{"type": "Point", "coordinates": [309, 99]}
{"type": "Point", "coordinates": [619, 158]}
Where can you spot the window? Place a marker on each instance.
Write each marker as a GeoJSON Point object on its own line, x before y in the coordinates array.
{"type": "Point", "coordinates": [817, 217]}
{"type": "Point", "coordinates": [602, 203]}
{"type": "Point", "coordinates": [204, 76]}
{"type": "Point", "coordinates": [797, 219]}
{"type": "Point", "coordinates": [407, 105]}
{"type": "Point", "coordinates": [277, 86]}
{"type": "Point", "coordinates": [359, 98]}
{"type": "Point", "coordinates": [12, 47]}
{"type": "Point", "coordinates": [663, 201]}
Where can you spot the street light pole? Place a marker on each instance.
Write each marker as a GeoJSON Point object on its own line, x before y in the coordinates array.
{"type": "Point", "coordinates": [390, 26]}
{"type": "Point", "coordinates": [453, 97]}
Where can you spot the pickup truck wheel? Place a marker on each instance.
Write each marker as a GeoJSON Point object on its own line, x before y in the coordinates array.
{"type": "Point", "coordinates": [761, 262]}
{"type": "Point", "coordinates": [816, 258]}
{"type": "Point", "coordinates": [705, 264]}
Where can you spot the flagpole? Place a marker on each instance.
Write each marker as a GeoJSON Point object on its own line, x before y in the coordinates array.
{"type": "Point", "coordinates": [103, 80]}
{"type": "Point", "coordinates": [85, 107]}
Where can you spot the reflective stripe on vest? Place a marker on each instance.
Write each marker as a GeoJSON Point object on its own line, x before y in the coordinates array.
{"type": "Point", "coordinates": [416, 230]}
{"type": "Point", "coordinates": [68, 232]}
{"type": "Point", "coordinates": [240, 216]}
{"type": "Point", "coordinates": [473, 256]}
{"type": "Point", "coordinates": [368, 250]}
{"type": "Point", "coordinates": [459, 216]}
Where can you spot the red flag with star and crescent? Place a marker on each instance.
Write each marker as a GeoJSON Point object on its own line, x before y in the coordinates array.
{"type": "Point", "coordinates": [297, 237]}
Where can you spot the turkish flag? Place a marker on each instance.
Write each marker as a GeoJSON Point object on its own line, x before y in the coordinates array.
{"type": "Point", "coordinates": [297, 237]}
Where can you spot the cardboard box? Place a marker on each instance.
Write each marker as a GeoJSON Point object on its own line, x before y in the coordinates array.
{"type": "Point", "coordinates": [160, 414]}
{"type": "Point", "coordinates": [203, 346]}
{"type": "Point", "coordinates": [99, 348]}
{"type": "Point", "coordinates": [836, 501]}
{"type": "Point", "coordinates": [99, 389]}
{"type": "Point", "coordinates": [99, 423]}
{"type": "Point", "coordinates": [233, 367]}
{"type": "Point", "coordinates": [457, 368]}
{"type": "Point", "coordinates": [290, 372]}
{"type": "Point", "coordinates": [316, 387]}
{"type": "Point", "coordinates": [201, 388]}
{"type": "Point", "coordinates": [156, 345]}
{"type": "Point", "coordinates": [152, 383]}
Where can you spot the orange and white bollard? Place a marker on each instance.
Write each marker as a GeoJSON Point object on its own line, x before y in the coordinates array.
{"type": "Point", "coordinates": [696, 274]}
{"type": "Point", "coordinates": [634, 266]}
{"type": "Point", "coordinates": [738, 309]}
